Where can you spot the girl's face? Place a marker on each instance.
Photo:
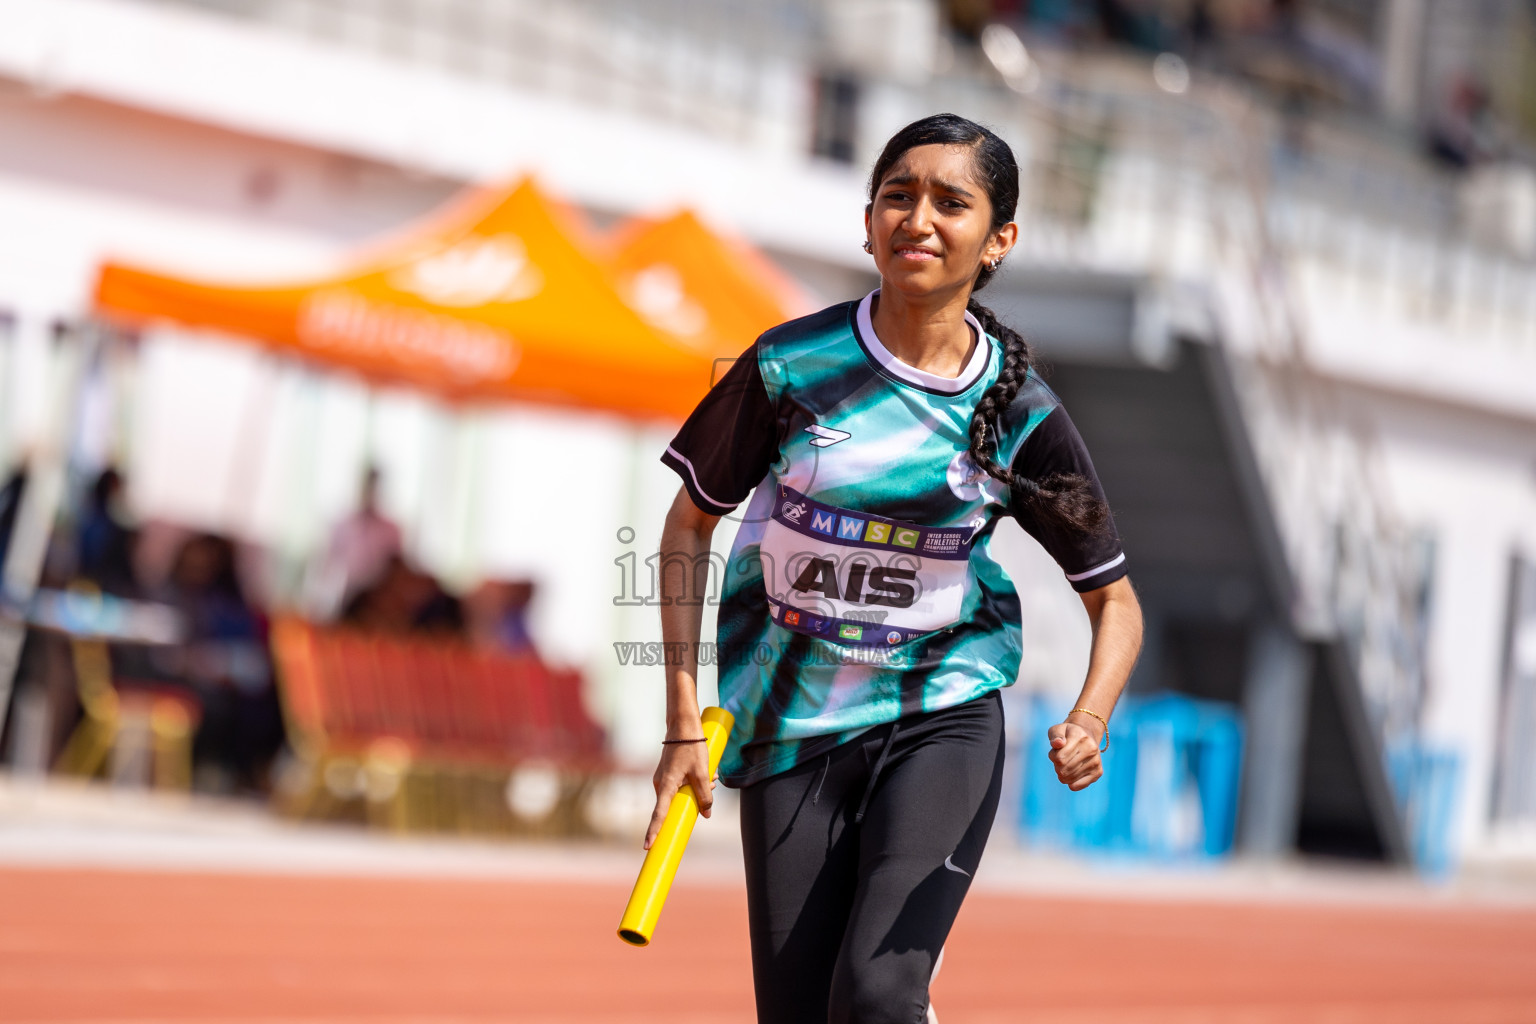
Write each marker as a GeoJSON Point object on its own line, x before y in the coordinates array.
{"type": "Point", "coordinates": [930, 224]}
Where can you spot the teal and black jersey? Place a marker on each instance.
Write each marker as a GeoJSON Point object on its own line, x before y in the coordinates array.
{"type": "Point", "coordinates": [860, 587]}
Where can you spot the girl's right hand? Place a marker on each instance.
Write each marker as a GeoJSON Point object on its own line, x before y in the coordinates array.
{"type": "Point", "coordinates": [681, 764]}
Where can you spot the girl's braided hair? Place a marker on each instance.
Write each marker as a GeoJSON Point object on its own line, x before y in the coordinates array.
{"type": "Point", "coordinates": [1063, 499]}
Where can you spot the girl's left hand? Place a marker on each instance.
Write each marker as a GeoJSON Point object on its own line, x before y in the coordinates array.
{"type": "Point", "coordinates": [1075, 753]}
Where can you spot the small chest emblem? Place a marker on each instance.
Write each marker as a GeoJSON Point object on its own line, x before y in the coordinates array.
{"type": "Point", "coordinates": [826, 435]}
{"type": "Point", "coordinates": [969, 482]}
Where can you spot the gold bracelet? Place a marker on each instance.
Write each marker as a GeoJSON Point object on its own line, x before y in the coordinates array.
{"type": "Point", "coordinates": [1104, 744]}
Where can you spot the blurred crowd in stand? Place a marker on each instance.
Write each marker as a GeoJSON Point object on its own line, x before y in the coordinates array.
{"type": "Point", "coordinates": [219, 665]}
{"type": "Point", "coordinates": [1307, 55]}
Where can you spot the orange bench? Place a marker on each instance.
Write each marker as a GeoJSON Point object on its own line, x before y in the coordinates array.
{"type": "Point", "coordinates": [421, 733]}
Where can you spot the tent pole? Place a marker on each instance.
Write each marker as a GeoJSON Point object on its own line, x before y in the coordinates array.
{"type": "Point", "coordinates": [613, 690]}
{"type": "Point", "coordinates": [39, 511]}
{"type": "Point", "coordinates": [253, 442]}
{"type": "Point", "coordinates": [468, 491]}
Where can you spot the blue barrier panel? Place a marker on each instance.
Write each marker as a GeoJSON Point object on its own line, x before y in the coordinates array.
{"type": "Point", "coordinates": [1218, 770]}
{"type": "Point", "coordinates": [1424, 780]}
{"type": "Point", "coordinates": [1170, 785]}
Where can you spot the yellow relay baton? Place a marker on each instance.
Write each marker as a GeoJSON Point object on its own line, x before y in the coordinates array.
{"type": "Point", "coordinates": [666, 853]}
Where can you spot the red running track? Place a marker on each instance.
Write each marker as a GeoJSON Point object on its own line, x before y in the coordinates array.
{"type": "Point", "coordinates": [108, 947]}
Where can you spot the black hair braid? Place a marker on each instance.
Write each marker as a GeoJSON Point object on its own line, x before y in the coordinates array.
{"type": "Point", "coordinates": [1062, 498]}
{"type": "Point", "coordinates": [998, 397]}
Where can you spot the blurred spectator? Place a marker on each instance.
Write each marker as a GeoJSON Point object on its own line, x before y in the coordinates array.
{"type": "Point", "coordinates": [968, 17]}
{"type": "Point", "coordinates": [105, 544]}
{"type": "Point", "coordinates": [1465, 130]}
{"type": "Point", "coordinates": [361, 550]}
{"type": "Point", "coordinates": [405, 600]}
{"type": "Point", "coordinates": [1201, 31]}
{"type": "Point", "coordinates": [496, 614]}
{"type": "Point", "coordinates": [1285, 18]}
{"type": "Point", "coordinates": [1126, 21]}
{"type": "Point", "coordinates": [224, 663]}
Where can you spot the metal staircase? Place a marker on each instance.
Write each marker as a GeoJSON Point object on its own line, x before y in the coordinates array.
{"type": "Point", "coordinates": [1180, 190]}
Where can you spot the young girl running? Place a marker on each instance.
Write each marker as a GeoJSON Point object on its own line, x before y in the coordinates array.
{"type": "Point", "coordinates": [864, 628]}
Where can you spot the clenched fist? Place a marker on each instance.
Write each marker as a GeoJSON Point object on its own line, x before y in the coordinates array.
{"type": "Point", "coordinates": [1075, 753]}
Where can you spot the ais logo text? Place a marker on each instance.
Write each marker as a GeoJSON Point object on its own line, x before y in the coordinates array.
{"type": "Point", "coordinates": [864, 584]}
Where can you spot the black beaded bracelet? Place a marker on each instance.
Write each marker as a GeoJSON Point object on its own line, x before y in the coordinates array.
{"type": "Point", "coordinates": [701, 739]}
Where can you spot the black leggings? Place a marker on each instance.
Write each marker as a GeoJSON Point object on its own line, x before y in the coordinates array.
{"type": "Point", "coordinates": [857, 863]}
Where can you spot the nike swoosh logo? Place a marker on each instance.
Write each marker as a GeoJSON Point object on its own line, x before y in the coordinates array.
{"type": "Point", "coordinates": [951, 865]}
{"type": "Point", "coordinates": [826, 435]}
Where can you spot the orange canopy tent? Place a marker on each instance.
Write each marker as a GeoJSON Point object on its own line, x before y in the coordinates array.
{"type": "Point", "coordinates": [712, 294]}
{"type": "Point", "coordinates": [493, 300]}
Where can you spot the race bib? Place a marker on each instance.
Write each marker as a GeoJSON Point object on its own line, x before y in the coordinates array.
{"type": "Point", "coordinates": [853, 578]}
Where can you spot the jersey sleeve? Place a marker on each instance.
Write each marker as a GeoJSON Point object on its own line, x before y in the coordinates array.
{"type": "Point", "coordinates": [729, 440]}
{"type": "Point", "coordinates": [1089, 561]}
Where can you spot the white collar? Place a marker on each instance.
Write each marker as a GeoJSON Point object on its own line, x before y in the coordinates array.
{"type": "Point", "coordinates": [971, 373]}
